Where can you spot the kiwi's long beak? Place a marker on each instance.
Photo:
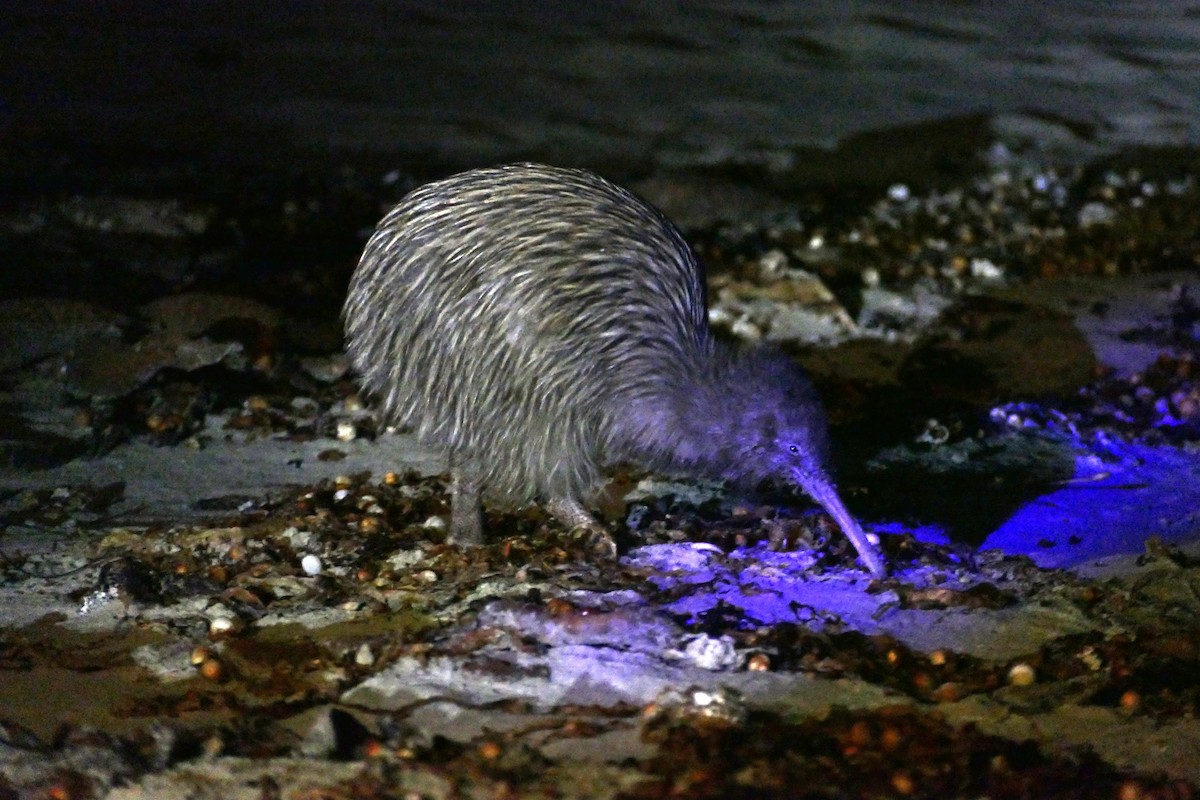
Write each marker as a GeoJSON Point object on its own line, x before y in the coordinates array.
{"type": "Point", "coordinates": [824, 492]}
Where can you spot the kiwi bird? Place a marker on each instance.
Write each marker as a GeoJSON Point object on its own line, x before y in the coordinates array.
{"type": "Point", "coordinates": [537, 323]}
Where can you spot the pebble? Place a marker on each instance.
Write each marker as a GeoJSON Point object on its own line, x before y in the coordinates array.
{"type": "Point", "coordinates": [711, 653]}
{"type": "Point", "coordinates": [305, 406]}
{"type": "Point", "coordinates": [363, 657]}
{"type": "Point", "coordinates": [985, 269]}
{"type": "Point", "coordinates": [759, 662]}
{"type": "Point", "coordinates": [1096, 214]}
{"type": "Point", "coordinates": [1022, 675]}
{"type": "Point", "coordinates": [311, 565]}
{"type": "Point", "coordinates": [299, 539]}
{"type": "Point", "coordinates": [213, 670]}
{"type": "Point", "coordinates": [221, 626]}
{"type": "Point", "coordinates": [898, 193]}
{"type": "Point", "coordinates": [772, 263]}
{"type": "Point", "coordinates": [347, 431]}
{"type": "Point", "coordinates": [745, 329]}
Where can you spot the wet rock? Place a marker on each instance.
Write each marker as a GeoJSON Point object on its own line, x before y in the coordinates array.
{"type": "Point", "coordinates": [994, 345]}
{"type": "Point", "coordinates": [1096, 213]}
{"type": "Point", "coordinates": [628, 626]}
{"type": "Point", "coordinates": [114, 369]}
{"type": "Point", "coordinates": [81, 763]}
{"type": "Point", "coordinates": [694, 201]}
{"type": "Point", "coordinates": [796, 308]}
{"type": "Point", "coordinates": [191, 314]}
{"type": "Point", "coordinates": [711, 653]}
{"type": "Point", "coordinates": [702, 707]}
{"type": "Point", "coordinates": [188, 331]}
{"type": "Point", "coordinates": [165, 219]}
{"type": "Point", "coordinates": [326, 369]}
{"type": "Point", "coordinates": [333, 733]}
{"type": "Point", "coordinates": [151, 241]}
{"type": "Point", "coordinates": [911, 311]}
{"type": "Point", "coordinates": [34, 328]}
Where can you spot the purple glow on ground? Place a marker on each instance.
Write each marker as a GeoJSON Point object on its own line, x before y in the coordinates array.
{"type": "Point", "coordinates": [930, 534]}
{"type": "Point", "coordinates": [1109, 508]}
{"type": "Point", "coordinates": [768, 587]}
{"type": "Point", "coordinates": [1118, 496]}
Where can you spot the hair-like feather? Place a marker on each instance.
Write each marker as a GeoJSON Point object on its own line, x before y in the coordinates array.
{"type": "Point", "coordinates": [538, 322]}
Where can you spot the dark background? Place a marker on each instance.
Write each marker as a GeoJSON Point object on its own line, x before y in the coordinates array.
{"type": "Point", "coordinates": [637, 86]}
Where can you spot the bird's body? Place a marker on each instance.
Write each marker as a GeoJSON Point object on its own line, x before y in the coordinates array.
{"type": "Point", "coordinates": [538, 323]}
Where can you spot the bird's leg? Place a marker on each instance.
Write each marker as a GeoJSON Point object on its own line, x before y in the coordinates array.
{"type": "Point", "coordinates": [570, 512]}
{"type": "Point", "coordinates": [466, 504]}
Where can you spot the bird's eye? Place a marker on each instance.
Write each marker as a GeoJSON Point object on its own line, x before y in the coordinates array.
{"type": "Point", "coordinates": [794, 449]}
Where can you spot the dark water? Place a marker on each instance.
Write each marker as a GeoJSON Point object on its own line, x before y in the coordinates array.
{"type": "Point", "coordinates": [641, 82]}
